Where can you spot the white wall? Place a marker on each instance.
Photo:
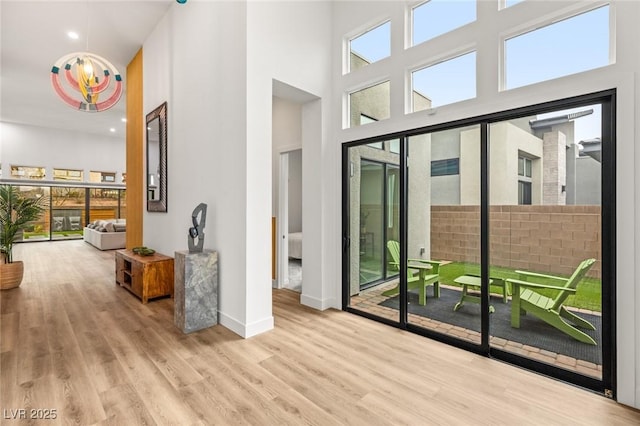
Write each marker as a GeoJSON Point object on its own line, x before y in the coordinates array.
{"type": "Point", "coordinates": [196, 61]}
{"type": "Point", "coordinates": [290, 42]}
{"type": "Point", "coordinates": [219, 126]}
{"type": "Point", "coordinates": [445, 190]}
{"type": "Point", "coordinates": [484, 35]}
{"type": "Point", "coordinates": [588, 188]}
{"type": "Point", "coordinates": [506, 141]}
{"type": "Point", "coordinates": [51, 148]}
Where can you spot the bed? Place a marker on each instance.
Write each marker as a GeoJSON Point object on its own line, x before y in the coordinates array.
{"type": "Point", "coordinates": [295, 245]}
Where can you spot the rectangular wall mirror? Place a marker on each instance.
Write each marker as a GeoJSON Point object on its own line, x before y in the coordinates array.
{"type": "Point", "coordinates": [157, 159]}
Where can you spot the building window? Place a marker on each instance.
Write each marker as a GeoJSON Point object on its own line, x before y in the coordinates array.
{"type": "Point", "coordinates": [370, 47]}
{"type": "Point", "coordinates": [394, 146]}
{"type": "Point", "coordinates": [25, 172]}
{"type": "Point", "coordinates": [524, 167]}
{"type": "Point", "coordinates": [573, 45]}
{"type": "Point", "coordinates": [102, 177]}
{"type": "Point", "coordinates": [436, 17]}
{"type": "Point", "coordinates": [68, 175]}
{"type": "Point", "coordinates": [444, 83]}
{"type": "Point", "coordinates": [524, 192]}
{"type": "Point", "coordinates": [450, 166]}
{"type": "Point", "coordinates": [369, 104]}
{"type": "Point", "coordinates": [524, 180]}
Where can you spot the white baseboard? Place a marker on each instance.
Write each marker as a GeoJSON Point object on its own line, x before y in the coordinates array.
{"type": "Point", "coordinates": [245, 330]}
{"type": "Point", "coordinates": [319, 304]}
{"type": "Point", "coordinates": [259, 327]}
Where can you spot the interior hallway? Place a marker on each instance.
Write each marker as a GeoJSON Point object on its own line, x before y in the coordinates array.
{"type": "Point", "coordinates": [71, 340]}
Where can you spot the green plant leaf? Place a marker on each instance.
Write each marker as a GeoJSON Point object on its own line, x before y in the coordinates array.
{"type": "Point", "coordinates": [17, 209]}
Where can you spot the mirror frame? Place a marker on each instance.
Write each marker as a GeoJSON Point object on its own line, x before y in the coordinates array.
{"type": "Point", "coordinates": [159, 205]}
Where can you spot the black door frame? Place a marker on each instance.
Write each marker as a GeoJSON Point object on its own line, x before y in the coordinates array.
{"type": "Point", "coordinates": [607, 98]}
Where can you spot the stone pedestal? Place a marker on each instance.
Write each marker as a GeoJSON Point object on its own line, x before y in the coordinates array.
{"type": "Point", "coordinates": [196, 290]}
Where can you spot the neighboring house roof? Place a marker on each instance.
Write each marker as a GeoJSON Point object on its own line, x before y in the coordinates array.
{"type": "Point", "coordinates": [559, 119]}
{"type": "Point", "coordinates": [592, 148]}
{"type": "Point", "coordinates": [587, 147]}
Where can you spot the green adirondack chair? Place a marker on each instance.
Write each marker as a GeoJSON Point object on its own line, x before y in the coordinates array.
{"type": "Point", "coordinates": [420, 274]}
{"type": "Point", "coordinates": [552, 311]}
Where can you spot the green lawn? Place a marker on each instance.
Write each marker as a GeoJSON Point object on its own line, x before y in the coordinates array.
{"type": "Point", "coordinates": [44, 234]}
{"type": "Point", "coordinates": [588, 295]}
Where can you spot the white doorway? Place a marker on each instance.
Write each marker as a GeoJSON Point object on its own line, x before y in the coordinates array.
{"type": "Point", "coordinates": [296, 132]}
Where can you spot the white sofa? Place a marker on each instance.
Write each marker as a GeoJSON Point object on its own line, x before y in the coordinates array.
{"type": "Point", "coordinates": [106, 234]}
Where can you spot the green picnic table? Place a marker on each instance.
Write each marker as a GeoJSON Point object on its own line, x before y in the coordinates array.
{"type": "Point", "coordinates": [467, 281]}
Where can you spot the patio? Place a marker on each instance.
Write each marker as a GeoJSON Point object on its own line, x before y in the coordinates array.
{"type": "Point", "coordinates": [372, 301]}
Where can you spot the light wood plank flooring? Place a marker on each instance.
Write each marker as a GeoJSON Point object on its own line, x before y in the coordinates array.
{"type": "Point", "coordinates": [75, 342]}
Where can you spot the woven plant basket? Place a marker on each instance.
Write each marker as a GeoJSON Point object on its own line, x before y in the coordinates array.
{"type": "Point", "coordinates": [11, 275]}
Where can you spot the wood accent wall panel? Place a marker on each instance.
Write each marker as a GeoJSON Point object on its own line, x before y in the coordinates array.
{"type": "Point", "coordinates": [135, 152]}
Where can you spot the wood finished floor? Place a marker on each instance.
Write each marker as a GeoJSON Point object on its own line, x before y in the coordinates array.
{"type": "Point", "coordinates": [71, 340]}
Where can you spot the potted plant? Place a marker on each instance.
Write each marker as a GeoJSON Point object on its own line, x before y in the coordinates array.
{"type": "Point", "coordinates": [16, 211]}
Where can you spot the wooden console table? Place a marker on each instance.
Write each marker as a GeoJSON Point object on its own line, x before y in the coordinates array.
{"type": "Point", "coordinates": [147, 277]}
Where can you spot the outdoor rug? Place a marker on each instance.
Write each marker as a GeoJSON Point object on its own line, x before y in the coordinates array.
{"type": "Point", "coordinates": [532, 331]}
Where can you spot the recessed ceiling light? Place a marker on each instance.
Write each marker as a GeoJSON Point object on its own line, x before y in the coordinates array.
{"type": "Point", "coordinates": [124, 120]}
{"type": "Point", "coordinates": [73, 35]}
{"type": "Point", "coordinates": [112, 130]}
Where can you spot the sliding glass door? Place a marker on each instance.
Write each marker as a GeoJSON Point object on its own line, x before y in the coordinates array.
{"type": "Point", "coordinates": [69, 209]}
{"type": "Point", "coordinates": [504, 241]}
{"type": "Point", "coordinates": [374, 192]}
{"type": "Point", "coordinates": [545, 226]}
{"type": "Point", "coordinates": [443, 232]}
{"type": "Point", "coordinates": [67, 212]}
{"type": "Point", "coordinates": [39, 229]}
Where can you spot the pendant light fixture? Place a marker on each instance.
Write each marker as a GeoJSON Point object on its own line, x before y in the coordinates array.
{"type": "Point", "coordinates": [88, 78]}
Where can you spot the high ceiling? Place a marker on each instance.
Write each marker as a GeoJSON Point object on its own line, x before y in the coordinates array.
{"type": "Point", "coordinates": [33, 36]}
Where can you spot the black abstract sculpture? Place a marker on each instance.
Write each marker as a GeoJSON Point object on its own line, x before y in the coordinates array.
{"type": "Point", "coordinates": [197, 230]}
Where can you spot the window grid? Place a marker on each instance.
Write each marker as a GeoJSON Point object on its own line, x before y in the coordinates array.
{"type": "Point", "coordinates": [535, 22]}
{"type": "Point", "coordinates": [447, 167]}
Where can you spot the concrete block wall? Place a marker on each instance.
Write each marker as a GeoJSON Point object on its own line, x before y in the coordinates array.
{"type": "Point", "coordinates": [455, 233]}
{"type": "Point", "coordinates": [548, 239]}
